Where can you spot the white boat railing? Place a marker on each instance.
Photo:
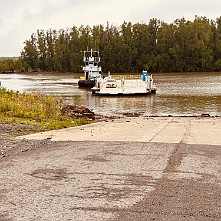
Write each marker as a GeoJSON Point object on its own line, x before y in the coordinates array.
{"type": "Point", "coordinates": [124, 83]}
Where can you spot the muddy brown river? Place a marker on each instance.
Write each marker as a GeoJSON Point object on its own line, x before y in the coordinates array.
{"type": "Point", "coordinates": [178, 94]}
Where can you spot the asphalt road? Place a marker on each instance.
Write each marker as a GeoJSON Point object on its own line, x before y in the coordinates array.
{"type": "Point", "coordinates": [117, 179]}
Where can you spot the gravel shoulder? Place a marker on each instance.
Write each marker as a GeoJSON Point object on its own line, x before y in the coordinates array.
{"type": "Point", "coordinates": [10, 146]}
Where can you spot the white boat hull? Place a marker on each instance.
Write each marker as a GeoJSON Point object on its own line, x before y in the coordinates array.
{"type": "Point", "coordinates": [126, 87]}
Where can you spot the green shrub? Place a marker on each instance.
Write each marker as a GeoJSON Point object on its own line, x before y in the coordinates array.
{"type": "Point", "coordinates": [43, 111]}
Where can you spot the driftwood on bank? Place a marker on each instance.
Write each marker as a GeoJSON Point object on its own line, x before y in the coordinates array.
{"type": "Point", "coordinates": [76, 111]}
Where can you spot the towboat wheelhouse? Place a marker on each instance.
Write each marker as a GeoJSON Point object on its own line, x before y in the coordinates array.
{"type": "Point", "coordinates": [91, 69]}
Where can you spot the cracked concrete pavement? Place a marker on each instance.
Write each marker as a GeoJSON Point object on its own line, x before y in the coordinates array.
{"type": "Point", "coordinates": [189, 130]}
{"type": "Point", "coordinates": [126, 169]}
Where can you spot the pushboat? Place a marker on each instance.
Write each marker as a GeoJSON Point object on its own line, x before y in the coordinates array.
{"type": "Point", "coordinates": [112, 85]}
{"type": "Point", "coordinates": [91, 69]}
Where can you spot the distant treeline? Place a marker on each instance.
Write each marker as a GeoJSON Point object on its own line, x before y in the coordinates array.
{"type": "Point", "coordinates": [182, 46]}
{"type": "Point", "coordinates": [11, 64]}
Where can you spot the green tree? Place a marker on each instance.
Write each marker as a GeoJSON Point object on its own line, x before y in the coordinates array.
{"type": "Point", "coordinates": [30, 53]}
{"type": "Point", "coordinates": [217, 48]}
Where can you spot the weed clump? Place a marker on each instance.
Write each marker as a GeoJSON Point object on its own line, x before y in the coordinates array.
{"type": "Point", "coordinates": [35, 109]}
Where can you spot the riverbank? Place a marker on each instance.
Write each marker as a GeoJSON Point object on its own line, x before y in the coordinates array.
{"type": "Point", "coordinates": [177, 94]}
{"type": "Point", "coordinates": [10, 146]}
{"type": "Point", "coordinates": [44, 112]}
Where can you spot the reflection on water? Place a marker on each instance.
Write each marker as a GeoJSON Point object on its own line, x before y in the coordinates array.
{"type": "Point", "coordinates": [177, 94]}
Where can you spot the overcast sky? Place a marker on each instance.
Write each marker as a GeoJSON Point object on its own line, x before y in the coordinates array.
{"type": "Point", "coordinates": [20, 18]}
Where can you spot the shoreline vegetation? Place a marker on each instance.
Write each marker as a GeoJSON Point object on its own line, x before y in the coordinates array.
{"type": "Point", "coordinates": [155, 46]}
{"type": "Point", "coordinates": [40, 111]}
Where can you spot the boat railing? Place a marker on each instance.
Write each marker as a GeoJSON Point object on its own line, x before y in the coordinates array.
{"type": "Point", "coordinates": [133, 83]}
{"type": "Point", "coordinates": [132, 76]}
{"type": "Point", "coordinates": [125, 83]}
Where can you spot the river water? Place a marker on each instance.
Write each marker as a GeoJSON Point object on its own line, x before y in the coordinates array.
{"type": "Point", "coordinates": [178, 94]}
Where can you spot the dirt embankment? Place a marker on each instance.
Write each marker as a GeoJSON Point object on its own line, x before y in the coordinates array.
{"type": "Point", "coordinates": [8, 131]}
{"type": "Point", "coordinates": [10, 146]}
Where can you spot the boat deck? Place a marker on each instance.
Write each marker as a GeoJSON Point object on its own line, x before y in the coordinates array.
{"type": "Point", "coordinates": [123, 87]}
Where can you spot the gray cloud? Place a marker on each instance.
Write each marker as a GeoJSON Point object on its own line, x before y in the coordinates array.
{"type": "Point", "coordinates": [18, 20]}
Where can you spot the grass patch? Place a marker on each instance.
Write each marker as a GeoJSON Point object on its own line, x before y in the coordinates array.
{"type": "Point", "coordinates": [34, 109]}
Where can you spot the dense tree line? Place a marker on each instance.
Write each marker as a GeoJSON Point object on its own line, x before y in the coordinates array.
{"type": "Point", "coordinates": [157, 46]}
{"type": "Point", "coordinates": [9, 64]}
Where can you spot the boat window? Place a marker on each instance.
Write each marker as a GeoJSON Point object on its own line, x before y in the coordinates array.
{"type": "Point", "coordinates": [111, 80]}
{"type": "Point", "coordinates": [111, 85]}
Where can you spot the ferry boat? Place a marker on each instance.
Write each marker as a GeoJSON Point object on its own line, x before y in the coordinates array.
{"type": "Point", "coordinates": [128, 85]}
{"type": "Point", "coordinates": [91, 69]}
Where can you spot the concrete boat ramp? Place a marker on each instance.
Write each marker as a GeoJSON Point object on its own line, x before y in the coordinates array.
{"type": "Point", "coordinates": [187, 130]}
{"type": "Point", "coordinates": [129, 169]}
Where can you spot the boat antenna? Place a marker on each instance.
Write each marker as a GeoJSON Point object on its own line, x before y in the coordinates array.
{"type": "Point", "coordinates": [108, 34]}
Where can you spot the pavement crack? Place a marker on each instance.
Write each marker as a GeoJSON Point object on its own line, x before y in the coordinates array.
{"type": "Point", "coordinates": [173, 161]}
{"type": "Point", "coordinates": [187, 133]}
{"type": "Point", "coordinates": [161, 129]}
